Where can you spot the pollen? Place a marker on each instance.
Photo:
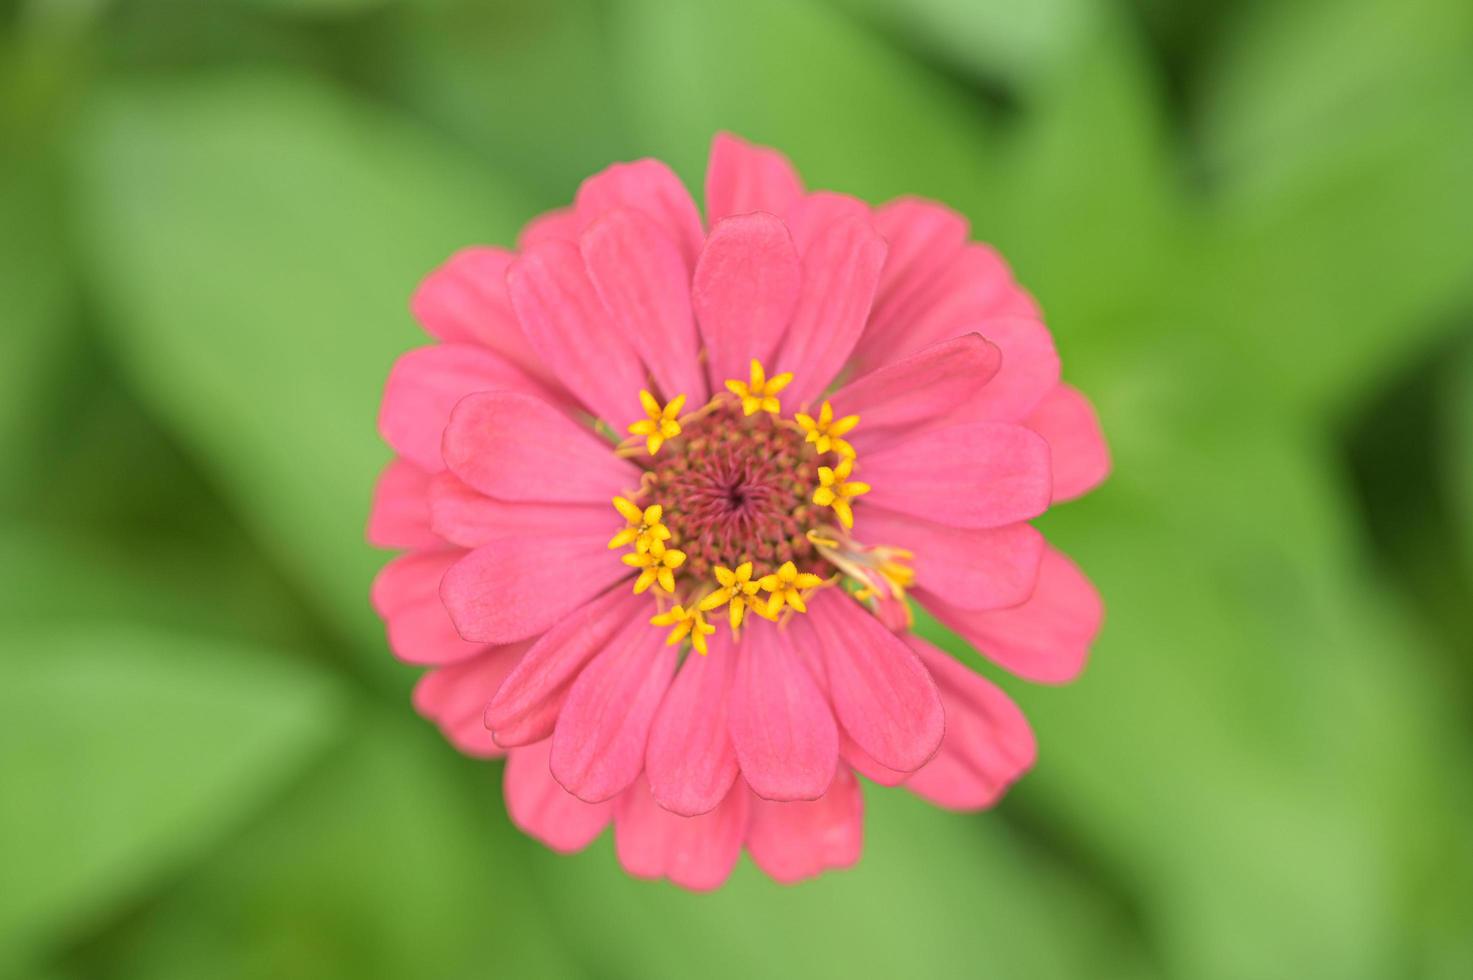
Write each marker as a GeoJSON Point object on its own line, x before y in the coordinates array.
{"type": "Point", "coordinates": [737, 587]}
{"type": "Point", "coordinates": [759, 392]}
{"type": "Point", "coordinates": [657, 565]}
{"type": "Point", "coordinates": [836, 490]}
{"type": "Point", "coordinates": [660, 423]}
{"type": "Point", "coordinates": [643, 528]}
{"type": "Point", "coordinates": [826, 433]}
{"type": "Point", "coordinates": [685, 622]}
{"type": "Point", "coordinates": [786, 586]}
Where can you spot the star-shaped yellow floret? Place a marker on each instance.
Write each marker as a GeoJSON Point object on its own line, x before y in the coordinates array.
{"type": "Point", "coordinates": [760, 392]}
{"type": "Point", "coordinates": [736, 591]}
{"type": "Point", "coordinates": [826, 432]}
{"type": "Point", "coordinates": [644, 527]}
{"type": "Point", "coordinates": [685, 622]}
{"type": "Point", "coordinates": [835, 490]}
{"type": "Point", "coordinates": [659, 423]}
{"type": "Point", "coordinates": [656, 565]}
{"type": "Point", "coordinates": [786, 584]}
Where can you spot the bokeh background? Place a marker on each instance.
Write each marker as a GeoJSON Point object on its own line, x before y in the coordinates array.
{"type": "Point", "coordinates": [1251, 227]}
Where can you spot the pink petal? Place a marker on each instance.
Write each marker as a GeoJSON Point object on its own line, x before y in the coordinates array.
{"type": "Point", "coordinates": [1047, 638]}
{"type": "Point", "coordinates": [1030, 367]}
{"type": "Point", "coordinates": [976, 285]}
{"type": "Point", "coordinates": [689, 761]}
{"type": "Point", "coordinates": [465, 301]}
{"type": "Point", "coordinates": [1081, 460]}
{"type": "Point", "coordinates": [927, 389]}
{"type": "Point", "coordinates": [598, 745]}
{"type": "Point", "coordinates": [514, 447]}
{"type": "Point", "coordinates": [426, 383]}
{"type": "Point", "coordinates": [525, 707]}
{"type": "Point", "coordinates": [811, 215]}
{"type": "Point", "coordinates": [881, 693]}
{"type": "Point", "coordinates": [513, 588]}
{"type": "Point", "coordinates": [841, 267]}
{"type": "Point", "coordinates": [970, 568]}
{"type": "Point", "coordinates": [694, 852]}
{"type": "Point", "coordinates": [400, 517]}
{"type": "Point", "coordinates": [781, 724]}
{"type": "Point", "coordinates": [406, 594]}
{"type": "Point", "coordinates": [982, 474]}
{"type": "Point", "coordinates": [649, 186]}
{"type": "Point", "coordinates": [557, 225]}
{"type": "Point", "coordinates": [454, 697]}
{"type": "Point", "coordinates": [546, 811]}
{"type": "Point", "coordinates": [745, 289]}
{"type": "Point", "coordinates": [567, 325]}
{"type": "Point", "coordinates": [470, 519]}
{"type": "Point", "coordinates": [793, 841]}
{"type": "Point", "coordinates": [644, 284]}
{"type": "Point", "coordinates": [743, 177]}
{"type": "Point", "coordinates": [988, 742]}
{"type": "Point", "coordinates": [925, 238]}
{"type": "Point", "coordinates": [861, 762]}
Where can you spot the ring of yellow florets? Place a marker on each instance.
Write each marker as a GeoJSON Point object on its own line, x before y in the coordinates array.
{"type": "Point", "coordinates": [740, 502]}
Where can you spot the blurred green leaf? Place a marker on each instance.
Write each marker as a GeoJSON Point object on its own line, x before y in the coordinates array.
{"type": "Point", "coordinates": [255, 239]}
{"type": "Point", "coordinates": [40, 312]}
{"type": "Point", "coordinates": [770, 80]}
{"type": "Point", "coordinates": [382, 864]}
{"type": "Point", "coordinates": [1090, 208]}
{"type": "Point", "coordinates": [529, 85]}
{"type": "Point", "coordinates": [315, 8]}
{"type": "Point", "coordinates": [1236, 698]}
{"type": "Point", "coordinates": [127, 751]}
{"type": "Point", "coordinates": [991, 39]}
{"type": "Point", "coordinates": [935, 894]}
{"type": "Point", "coordinates": [1342, 213]}
{"type": "Point", "coordinates": [1300, 85]}
{"type": "Point", "coordinates": [1458, 444]}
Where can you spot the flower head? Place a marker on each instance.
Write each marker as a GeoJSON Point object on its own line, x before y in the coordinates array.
{"type": "Point", "coordinates": [907, 353]}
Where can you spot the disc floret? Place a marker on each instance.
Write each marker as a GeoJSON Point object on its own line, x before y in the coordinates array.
{"type": "Point", "coordinates": [750, 498]}
{"type": "Point", "coordinates": [685, 622]}
{"type": "Point", "coordinates": [737, 587]}
{"type": "Point", "coordinates": [826, 432]}
{"type": "Point", "coordinates": [836, 490]}
{"type": "Point", "coordinates": [643, 527]}
{"type": "Point", "coordinates": [659, 423]}
{"type": "Point", "coordinates": [657, 565]}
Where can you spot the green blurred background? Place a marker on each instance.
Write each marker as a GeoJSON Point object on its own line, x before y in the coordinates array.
{"type": "Point", "coordinates": [1251, 226]}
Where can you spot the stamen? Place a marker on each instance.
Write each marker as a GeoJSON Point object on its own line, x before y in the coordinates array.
{"type": "Point", "coordinates": [760, 392]}
{"type": "Point", "coordinates": [882, 573]}
{"type": "Point", "coordinates": [660, 423]}
{"type": "Point", "coordinates": [836, 490]}
{"type": "Point", "coordinates": [825, 432]}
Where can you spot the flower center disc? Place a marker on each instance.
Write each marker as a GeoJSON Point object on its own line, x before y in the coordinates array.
{"type": "Point", "coordinates": [738, 488]}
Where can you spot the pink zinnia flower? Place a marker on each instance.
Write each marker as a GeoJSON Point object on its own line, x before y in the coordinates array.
{"type": "Point", "coordinates": [803, 410]}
